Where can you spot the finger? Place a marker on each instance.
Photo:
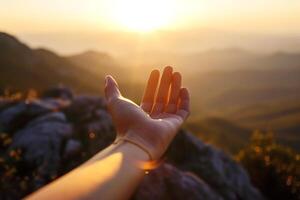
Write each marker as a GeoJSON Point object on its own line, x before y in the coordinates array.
{"type": "Point", "coordinates": [148, 98]}
{"type": "Point", "coordinates": [174, 95]}
{"type": "Point", "coordinates": [111, 89]}
{"type": "Point", "coordinates": [184, 103]}
{"type": "Point", "coordinates": [163, 91]}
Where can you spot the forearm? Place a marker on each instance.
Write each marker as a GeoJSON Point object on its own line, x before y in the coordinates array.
{"type": "Point", "coordinates": [113, 173]}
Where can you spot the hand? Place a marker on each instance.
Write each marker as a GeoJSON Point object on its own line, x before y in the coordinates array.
{"type": "Point", "coordinates": [154, 123]}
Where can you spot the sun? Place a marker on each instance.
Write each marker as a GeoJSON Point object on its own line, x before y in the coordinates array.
{"type": "Point", "coordinates": [143, 15]}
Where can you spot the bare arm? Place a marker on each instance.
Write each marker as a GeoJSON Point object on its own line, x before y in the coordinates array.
{"type": "Point", "coordinates": [144, 133]}
{"type": "Point", "coordinates": [113, 176]}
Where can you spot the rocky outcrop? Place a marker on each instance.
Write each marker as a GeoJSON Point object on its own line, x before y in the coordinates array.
{"type": "Point", "coordinates": [15, 117]}
{"type": "Point", "coordinates": [60, 131]}
{"type": "Point", "coordinates": [42, 142]}
{"type": "Point", "coordinates": [213, 166]}
{"type": "Point", "coordinates": [168, 182]}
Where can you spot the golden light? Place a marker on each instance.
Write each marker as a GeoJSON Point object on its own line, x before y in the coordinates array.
{"type": "Point", "coordinates": [143, 15]}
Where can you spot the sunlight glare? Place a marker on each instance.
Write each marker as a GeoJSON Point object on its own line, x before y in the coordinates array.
{"type": "Point", "coordinates": [143, 15]}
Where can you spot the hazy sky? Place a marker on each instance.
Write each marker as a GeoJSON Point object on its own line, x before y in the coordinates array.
{"type": "Point", "coordinates": [42, 22]}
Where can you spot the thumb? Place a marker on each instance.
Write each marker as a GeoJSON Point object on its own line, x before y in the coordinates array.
{"type": "Point", "coordinates": [111, 89]}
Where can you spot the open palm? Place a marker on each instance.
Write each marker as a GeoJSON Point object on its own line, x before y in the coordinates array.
{"type": "Point", "coordinates": [155, 122]}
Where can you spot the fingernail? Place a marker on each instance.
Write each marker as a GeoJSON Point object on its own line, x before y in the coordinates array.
{"type": "Point", "coordinates": [168, 68]}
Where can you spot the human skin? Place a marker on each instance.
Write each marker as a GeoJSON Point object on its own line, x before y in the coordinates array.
{"type": "Point", "coordinates": [143, 134]}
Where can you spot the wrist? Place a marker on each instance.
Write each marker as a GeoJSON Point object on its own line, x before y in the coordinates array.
{"type": "Point", "coordinates": [136, 155]}
{"type": "Point", "coordinates": [149, 143]}
{"type": "Point", "coordinates": [131, 151]}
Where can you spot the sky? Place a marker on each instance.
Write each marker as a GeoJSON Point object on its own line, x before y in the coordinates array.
{"type": "Point", "coordinates": [59, 24]}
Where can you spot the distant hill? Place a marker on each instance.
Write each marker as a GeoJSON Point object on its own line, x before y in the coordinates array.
{"type": "Point", "coordinates": [220, 132]}
{"type": "Point", "coordinates": [22, 67]}
{"type": "Point", "coordinates": [96, 62]}
{"type": "Point", "coordinates": [255, 99]}
{"type": "Point", "coordinates": [226, 59]}
{"type": "Point", "coordinates": [281, 117]}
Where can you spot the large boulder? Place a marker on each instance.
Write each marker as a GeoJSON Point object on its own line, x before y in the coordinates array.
{"type": "Point", "coordinates": [93, 125]}
{"type": "Point", "coordinates": [217, 169]}
{"type": "Point", "coordinates": [41, 143]}
{"type": "Point", "coordinates": [167, 182]}
{"type": "Point", "coordinates": [72, 148]}
{"type": "Point", "coordinates": [84, 108]}
{"type": "Point", "coordinates": [16, 116]}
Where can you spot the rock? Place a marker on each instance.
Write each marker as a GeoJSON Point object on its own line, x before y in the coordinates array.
{"type": "Point", "coordinates": [96, 134]}
{"type": "Point", "coordinates": [103, 122]}
{"type": "Point", "coordinates": [53, 117]}
{"type": "Point", "coordinates": [5, 103]}
{"type": "Point", "coordinates": [103, 115]}
{"type": "Point", "coordinates": [72, 148]}
{"type": "Point", "coordinates": [216, 168]}
{"type": "Point", "coordinates": [41, 142]}
{"type": "Point", "coordinates": [167, 182]}
{"type": "Point", "coordinates": [16, 116]}
{"type": "Point", "coordinates": [84, 108]}
{"type": "Point", "coordinates": [93, 124]}
{"type": "Point", "coordinates": [100, 134]}
{"type": "Point", "coordinates": [59, 92]}
{"type": "Point", "coordinates": [56, 104]}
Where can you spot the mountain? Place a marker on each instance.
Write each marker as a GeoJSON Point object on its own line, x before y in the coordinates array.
{"type": "Point", "coordinates": [93, 61]}
{"type": "Point", "coordinates": [226, 59]}
{"type": "Point", "coordinates": [99, 64]}
{"type": "Point", "coordinates": [22, 68]}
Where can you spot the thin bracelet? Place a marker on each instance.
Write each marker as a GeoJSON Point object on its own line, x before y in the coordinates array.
{"type": "Point", "coordinates": [147, 166]}
{"type": "Point", "coordinates": [136, 144]}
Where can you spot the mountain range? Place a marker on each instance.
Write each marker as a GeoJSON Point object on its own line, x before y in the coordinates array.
{"type": "Point", "coordinates": [234, 91]}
